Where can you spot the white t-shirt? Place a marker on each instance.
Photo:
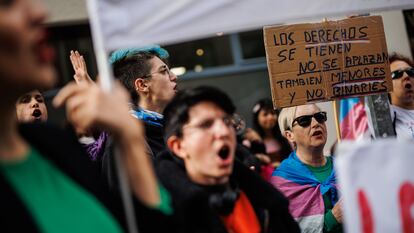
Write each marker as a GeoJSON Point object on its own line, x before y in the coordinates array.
{"type": "Point", "coordinates": [404, 124]}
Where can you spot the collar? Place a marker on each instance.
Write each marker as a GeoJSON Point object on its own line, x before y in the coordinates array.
{"type": "Point", "coordinates": [153, 118]}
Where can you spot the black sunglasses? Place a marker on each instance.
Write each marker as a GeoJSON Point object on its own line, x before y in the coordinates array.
{"type": "Point", "coordinates": [399, 73]}
{"type": "Point", "coordinates": [306, 120]}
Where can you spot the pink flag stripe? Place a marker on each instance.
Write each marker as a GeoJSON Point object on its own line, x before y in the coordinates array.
{"type": "Point", "coordinates": [304, 200]}
{"type": "Point", "coordinates": [355, 123]}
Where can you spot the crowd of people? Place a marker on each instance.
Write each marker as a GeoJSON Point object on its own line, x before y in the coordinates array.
{"type": "Point", "coordinates": [187, 168]}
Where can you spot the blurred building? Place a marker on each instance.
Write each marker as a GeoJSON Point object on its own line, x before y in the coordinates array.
{"type": "Point", "coordinates": [235, 63]}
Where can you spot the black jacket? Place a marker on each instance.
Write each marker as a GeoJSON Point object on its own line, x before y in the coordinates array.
{"type": "Point", "coordinates": [62, 149]}
{"type": "Point", "coordinates": [154, 136]}
{"type": "Point", "coordinates": [154, 142]}
{"type": "Point", "coordinates": [193, 212]}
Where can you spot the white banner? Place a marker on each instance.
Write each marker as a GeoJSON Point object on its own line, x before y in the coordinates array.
{"type": "Point", "coordinates": [127, 23]}
{"type": "Point", "coordinates": [377, 185]}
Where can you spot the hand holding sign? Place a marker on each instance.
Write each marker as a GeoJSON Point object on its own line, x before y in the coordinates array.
{"type": "Point", "coordinates": [337, 211]}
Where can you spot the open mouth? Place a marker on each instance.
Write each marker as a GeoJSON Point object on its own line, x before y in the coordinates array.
{"type": "Point", "coordinates": [317, 133]}
{"type": "Point", "coordinates": [408, 86]}
{"type": "Point", "coordinates": [36, 113]}
{"type": "Point", "coordinates": [224, 152]}
{"type": "Point", "coordinates": [44, 52]}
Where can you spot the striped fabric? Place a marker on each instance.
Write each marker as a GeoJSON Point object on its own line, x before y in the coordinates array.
{"type": "Point", "coordinates": [304, 192]}
{"type": "Point", "coordinates": [352, 118]}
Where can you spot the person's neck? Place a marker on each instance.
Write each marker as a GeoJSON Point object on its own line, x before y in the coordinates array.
{"type": "Point", "coordinates": [151, 106]}
{"type": "Point", "coordinates": [12, 145]}
{"type": "Point", "coordinates": [312, 156]}
{"type": "Point", "coordinates": [402, 104]}
{"type": "Point", "coordinates": [202, 180]}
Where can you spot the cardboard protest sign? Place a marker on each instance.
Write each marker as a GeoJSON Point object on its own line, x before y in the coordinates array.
{"type": "Point", "coordinates": [377, 185]}
{"type": "Point", "coordinates": [324, 61]}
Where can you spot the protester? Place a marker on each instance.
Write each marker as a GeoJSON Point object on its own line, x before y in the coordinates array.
{"type": "Point", "coordinates": [307, 177]}
{"type": "Point", "coordinates": [31, 107]}
{"type": "Point", "coordinates": [211, 191]}
{"type": "Point", "coordinates": [265, 123]}
{"type": "Point", "coordinates": [85, 136]}
{"type": "Point", "coordinates": [145, 74]}
{"type": "Point", "coordinates": [402, 96]}
{"type": "Point", "coordinates": [47, 183]}
{"type": "Point", "coordinates": [265, 139]}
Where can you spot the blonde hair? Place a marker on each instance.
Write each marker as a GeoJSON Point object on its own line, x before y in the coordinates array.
{"type": "Point", "coordinates": [285, 119]}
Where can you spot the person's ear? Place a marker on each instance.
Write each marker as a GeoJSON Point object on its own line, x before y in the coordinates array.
{"type": "Point", "coordinates": [141, 85]}
{"type": "Point", "coordinates": [175, 144]}
{"type": "Point", "coordinates": [290, 136]}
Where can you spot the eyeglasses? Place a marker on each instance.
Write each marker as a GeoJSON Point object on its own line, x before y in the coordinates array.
{"type": "Point", "coordinates": [164, 70]}
{"type": "Point", "coordinates": [306, 120]}
{"type": "Point", "coordinates": [238, 123]}
{"type": "Point", "coordinates": [399, 73]}
{"type": "Point", "coordinates": [207, 124]}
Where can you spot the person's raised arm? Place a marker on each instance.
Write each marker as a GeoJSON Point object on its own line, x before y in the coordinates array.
{"type": "Point", "coordinates": [89, 106]}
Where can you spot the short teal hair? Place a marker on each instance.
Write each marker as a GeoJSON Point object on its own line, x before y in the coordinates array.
{"type": "Point", "coordinates": [120, 54]}
{"type": "Point", "coordinates": [130, 64]}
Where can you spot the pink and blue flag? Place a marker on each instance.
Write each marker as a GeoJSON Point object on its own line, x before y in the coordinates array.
{"type": "Point", "coordinates": [304, 192]}
{"type": "Point", "coordinates": [353, 121]}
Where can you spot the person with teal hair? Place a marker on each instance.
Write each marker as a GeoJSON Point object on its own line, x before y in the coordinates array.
{"type": "Point", "coordinates": [120, 54]}
{"type": "Point", "coordinates": [145, 73]}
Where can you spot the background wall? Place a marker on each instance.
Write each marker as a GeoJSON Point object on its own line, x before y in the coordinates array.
{"type": "Point", "coordinates": [66, 11]}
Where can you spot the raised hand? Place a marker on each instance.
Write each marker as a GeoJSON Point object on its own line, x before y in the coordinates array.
{"type": "Point", "coordinates": [89, 106]}
{"type": "Point", "coordinates": [79, 66]}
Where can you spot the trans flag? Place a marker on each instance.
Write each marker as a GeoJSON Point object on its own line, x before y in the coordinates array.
{"type": "Point", "coordinates": [353, 120]}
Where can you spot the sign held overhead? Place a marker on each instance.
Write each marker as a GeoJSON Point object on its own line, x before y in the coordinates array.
{"type": "Point", "coordinates": [324, 61]}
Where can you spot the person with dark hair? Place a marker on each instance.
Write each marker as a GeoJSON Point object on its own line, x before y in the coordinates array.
{"type": "Point", "coordinates": [402, 96]}
{"type": "Point", "coordinates": [152, 85]}
{"type": "Point", "coordinates": [47, 183]}
{"type": "Point", "coordinates": [211, 191]}
{"type": "Point", "coordinates": [265, 124]}
{"type": "Point", "coordinates": [31, 107]}
{"type": "Point", "coordinates": [145, 74]}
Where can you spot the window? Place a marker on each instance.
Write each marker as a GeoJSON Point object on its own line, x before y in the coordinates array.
{"type": "Point", "coordinates": [73, 37]}
{"type": "Point", "coordinates": [252, 44]}
{"type": "Point", "coordinates": [409, 23]}
{"type": "Point", "coordinates": [200, 54]}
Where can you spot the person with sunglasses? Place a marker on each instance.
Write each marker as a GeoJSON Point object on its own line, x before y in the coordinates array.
{"type": "Point", "coordinates": [402, 96]}
{"type": "Point", "coordinates": [307, 177]}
